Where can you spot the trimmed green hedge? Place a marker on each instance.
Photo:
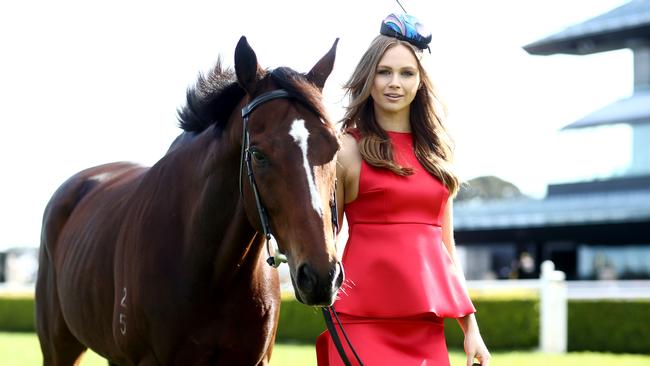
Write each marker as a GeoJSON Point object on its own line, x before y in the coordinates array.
{"type": "Point", "coordinates": [499, 320]}
{"type": "Point", "coordinates": [17, 314]}
{"type": "Point", "coordinates": [504, 324]}
{"type": "Point", "coordinates": [616, 326]}
{"type": "Point", "coordinates": [299, 323]}
{"type": "Point", "coordinates": [514, 324]}
{"type": "Point", "coordinates": [594, 325]}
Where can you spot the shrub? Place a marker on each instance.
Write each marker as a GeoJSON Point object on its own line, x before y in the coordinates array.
{"type": "Point", "coordinates": [17, 314]}
{"type": "Point", "coordinates": [504, 324]}
{"type": "Point", "coordinates": [611, 325]}
{"type": "Point", "coordinates": [499, 321]}
{"type": "Point", "coordinates": [593, 325]}
{"type": "Point", "coordinates": [299, 323]}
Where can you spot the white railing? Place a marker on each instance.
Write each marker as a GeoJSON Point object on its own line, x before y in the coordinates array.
{"type": "Point", "coordinates": [577, 290]}
{"type": "Point", "coordinates": [13, 288]}
{"type": "Point", "coordinates": [627, 289]}
{"type": "Point", "coordinates": [554, 292]}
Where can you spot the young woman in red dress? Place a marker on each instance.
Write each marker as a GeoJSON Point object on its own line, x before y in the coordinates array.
{"type": "Point", "coordinates": [395, 185]}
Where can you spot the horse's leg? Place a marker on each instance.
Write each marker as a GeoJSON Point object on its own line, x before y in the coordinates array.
{"type": "Point", "coordinates": [267, 357]}
{"type": "Point", "coordinates": [265, 360]}
{"type": "Point", "coordinates": [59, 346]}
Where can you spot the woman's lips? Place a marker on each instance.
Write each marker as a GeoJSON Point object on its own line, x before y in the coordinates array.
{"type": "Point", "coordinates": [393, 96]}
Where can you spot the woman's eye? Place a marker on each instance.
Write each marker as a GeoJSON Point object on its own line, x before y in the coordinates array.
{"type": "Point", "coordinates": [408, 73]}
{"type": "Point", "coordinates": [383, 72]}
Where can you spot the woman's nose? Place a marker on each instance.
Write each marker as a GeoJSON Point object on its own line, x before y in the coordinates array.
{"type": "Point", "coordinates": [394, 81]}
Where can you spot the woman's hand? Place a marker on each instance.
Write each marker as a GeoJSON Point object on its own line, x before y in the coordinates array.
{"type": "Point", "coordinates": [475, 348]}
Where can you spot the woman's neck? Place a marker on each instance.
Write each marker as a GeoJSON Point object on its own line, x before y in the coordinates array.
{"type": "Point", "coordinates": [396, 122]}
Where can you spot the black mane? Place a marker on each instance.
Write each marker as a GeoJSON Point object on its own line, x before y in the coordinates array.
{"type": "Point", "coordinates": [211, 100]}
{"type": "Point", "coordinates": [214, 97]}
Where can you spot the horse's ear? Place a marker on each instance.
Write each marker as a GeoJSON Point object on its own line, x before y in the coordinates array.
{"type": "Point", "coordinates": [247, 69]}
{"type": "Point", "coordinates": [321, 71]}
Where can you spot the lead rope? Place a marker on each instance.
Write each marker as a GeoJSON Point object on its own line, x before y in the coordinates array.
{"type": "Point", "coordinates": [329, 310]}
{"type": "Point", "coordinates": [335, 336]}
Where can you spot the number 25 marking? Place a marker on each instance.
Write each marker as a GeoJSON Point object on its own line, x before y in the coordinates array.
{"type": "Point", "coordinates": [122, 315]}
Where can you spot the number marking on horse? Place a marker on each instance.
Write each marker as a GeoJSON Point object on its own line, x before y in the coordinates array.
{"type": "Point", "coordinates": [122, 315]}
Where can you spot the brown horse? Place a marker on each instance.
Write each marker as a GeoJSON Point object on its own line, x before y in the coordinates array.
{"type": "Point", "coordinates": [165, 265]}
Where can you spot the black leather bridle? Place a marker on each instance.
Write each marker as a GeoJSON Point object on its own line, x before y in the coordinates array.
{"type": "Point", "coordinates": [275, 257]}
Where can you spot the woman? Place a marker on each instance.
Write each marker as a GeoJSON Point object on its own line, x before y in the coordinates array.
{"type": "Point", "coordinates": [395, 186]}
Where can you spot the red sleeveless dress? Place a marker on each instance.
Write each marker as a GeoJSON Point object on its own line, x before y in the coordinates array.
{"type": "Point", "coordinates": [400, 280]}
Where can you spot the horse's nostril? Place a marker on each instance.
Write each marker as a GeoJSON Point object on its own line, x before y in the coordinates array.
{"type": "Point", "coordinates": [306, 278]}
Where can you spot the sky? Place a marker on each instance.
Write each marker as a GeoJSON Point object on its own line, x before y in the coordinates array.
{"type": "Point", "coordinates": [84, 83]}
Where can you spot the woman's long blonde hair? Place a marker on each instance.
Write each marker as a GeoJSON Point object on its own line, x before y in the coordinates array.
{"type": "Point", "coordinates": [432, 143]}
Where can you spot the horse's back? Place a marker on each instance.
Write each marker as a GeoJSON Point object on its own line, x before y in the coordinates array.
{"type": "Point", "coordinates": [80, 226]}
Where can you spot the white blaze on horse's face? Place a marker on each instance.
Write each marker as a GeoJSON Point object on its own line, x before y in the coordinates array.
{"type": "Point", "coordinates": [300, 135]}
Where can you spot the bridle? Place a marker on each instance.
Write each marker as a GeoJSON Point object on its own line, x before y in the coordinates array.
{"type": "Point", "coordinates": [275, 256]}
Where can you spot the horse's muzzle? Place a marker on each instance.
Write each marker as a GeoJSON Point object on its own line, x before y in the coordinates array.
{"type": "Point", "coordinates": [318, 290]}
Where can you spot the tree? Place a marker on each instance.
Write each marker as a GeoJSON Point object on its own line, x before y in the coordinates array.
{"type": "Point", "coordinates": [487, 188]}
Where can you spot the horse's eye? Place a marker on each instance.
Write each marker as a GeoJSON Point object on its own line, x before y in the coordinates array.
{"type": "Point", "coordinates": [258, 156]}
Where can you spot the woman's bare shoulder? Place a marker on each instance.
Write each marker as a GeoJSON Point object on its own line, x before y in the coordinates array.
{"type": "Point", "coordinates": [349, 153]}
{"type": "Point", "coordinates": [348, 169]}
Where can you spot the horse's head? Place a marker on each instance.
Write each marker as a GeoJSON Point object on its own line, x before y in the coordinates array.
{"type": "Point", "coordinates": [292, 148]}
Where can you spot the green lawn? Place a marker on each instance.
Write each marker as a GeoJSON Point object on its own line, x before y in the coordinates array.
{"type": "Point", "coordinates": [20, 349]}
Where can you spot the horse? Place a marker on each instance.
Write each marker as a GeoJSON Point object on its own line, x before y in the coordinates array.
{"type": "Point", "coordinates": [166, 265]}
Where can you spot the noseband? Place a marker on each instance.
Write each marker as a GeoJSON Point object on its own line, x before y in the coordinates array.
{"type": "Point", "coordinates": [275, 257]}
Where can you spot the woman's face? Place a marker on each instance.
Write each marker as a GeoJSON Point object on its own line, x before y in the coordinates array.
{"type": "Point", "coordinates": [396, 81]}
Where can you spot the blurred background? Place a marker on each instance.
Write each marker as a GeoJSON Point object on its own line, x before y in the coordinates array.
{"type": "Point", "coordinates": [549, 105]}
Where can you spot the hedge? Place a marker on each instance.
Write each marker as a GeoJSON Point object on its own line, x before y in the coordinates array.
{"type": "Point", "coordinates": [17, 314]}
{"type": "Point", "coordinates": [504, 324]}
{"type": "Point", "coordinates": [299, 323]}
{"type": "Point", "coordinates": [595, 325]}
{"type": "Point", "coordinates": [499, 320]}
{"type": "Point", "coordinates": [616, 326]}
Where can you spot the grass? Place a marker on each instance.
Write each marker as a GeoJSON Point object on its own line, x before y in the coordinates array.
{"type": "Point", "coordinates": [20, 349]}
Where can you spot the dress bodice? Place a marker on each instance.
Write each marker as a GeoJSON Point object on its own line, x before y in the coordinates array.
{"type": "Point", "coordinates": [385, 197]}
{"type": "Point", "coordinates": [395, 261]}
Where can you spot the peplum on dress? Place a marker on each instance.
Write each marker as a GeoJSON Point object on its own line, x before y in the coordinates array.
{"type": "Point", "coordinates": [400, 280]}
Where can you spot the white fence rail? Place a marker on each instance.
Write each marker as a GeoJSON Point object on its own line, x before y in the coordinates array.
{"type": "Point", "coordinates": [555, 292]}
{"type": "Point", "coordinates": [577, 290]}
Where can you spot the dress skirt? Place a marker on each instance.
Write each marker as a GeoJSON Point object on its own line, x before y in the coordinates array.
{"type": "Point", "coordinates": [412, 341]}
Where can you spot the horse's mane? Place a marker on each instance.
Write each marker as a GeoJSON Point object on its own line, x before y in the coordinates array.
{"type": "Point", "coordinates": [210, 100]}
{"type": "Point", "coordinates": [214, 96]}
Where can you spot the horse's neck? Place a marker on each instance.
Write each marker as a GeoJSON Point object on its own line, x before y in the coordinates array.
{"type": "Point", "coordinates": [220, 241]}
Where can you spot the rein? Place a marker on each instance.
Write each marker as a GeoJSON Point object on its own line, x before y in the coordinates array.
{"type": "Point", "coordinates": [276, 257]}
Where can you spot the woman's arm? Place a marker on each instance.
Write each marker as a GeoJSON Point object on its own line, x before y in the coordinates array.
{"type": "Point", "coordinates": [348, 167]}
{"type": "Point", "coordinates": [474, 345]}
{"type": "Point", "coordinates": [340, 185]}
